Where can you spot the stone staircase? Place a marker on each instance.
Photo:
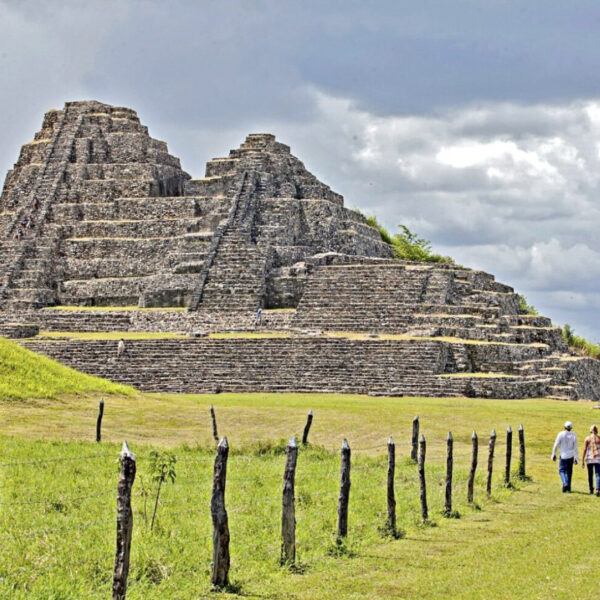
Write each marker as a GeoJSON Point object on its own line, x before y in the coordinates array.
{"type": "Point", "coordinates": [233, 279]}
{"type": "Point", "coordinates": [280, 365]}
{"type": "Point", "coordinates": [33, 253]}
{"type": "Point", "coordinates": [419, 299]}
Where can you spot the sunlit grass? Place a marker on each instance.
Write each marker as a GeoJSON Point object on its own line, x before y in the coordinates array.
{"type": "Point", "coordinates": [25, 375]}
{"type": "Point", "coordinates": [57, 518]}
{"type": "Point", "coordinates": [115, 308]}
{"type": "Point", "coordinates": [249, 335]}
{"type": "Point", "coordinates": [111, 335]}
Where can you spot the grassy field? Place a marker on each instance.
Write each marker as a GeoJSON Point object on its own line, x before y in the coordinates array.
{"type": "Point", "coordinates": [58, 500]}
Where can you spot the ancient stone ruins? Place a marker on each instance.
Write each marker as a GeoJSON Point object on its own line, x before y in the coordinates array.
{"type": "Point", "coordinates": [96, 213]}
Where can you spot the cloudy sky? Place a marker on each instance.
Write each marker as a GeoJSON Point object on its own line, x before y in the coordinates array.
{"type": "Point", "coordinates": [476, 123]}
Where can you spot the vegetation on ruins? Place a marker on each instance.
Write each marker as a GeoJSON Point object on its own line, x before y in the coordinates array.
{"type": "Point", "coordinates": [407, 245]}
{"type": "Point", "coordinates": [58, 508]}
{"type": "Point", "coordinates": [580, 344]}
{"type": "Point", "coordinates": [25, 375]}
{"type": "Point", "coordinates": [525, 307]}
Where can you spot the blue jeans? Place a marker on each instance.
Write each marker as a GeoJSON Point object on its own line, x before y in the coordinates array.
{"type": "Point", "coordinates": [565, 470]}
{"type": "Point", "coordinates": [591, 469]}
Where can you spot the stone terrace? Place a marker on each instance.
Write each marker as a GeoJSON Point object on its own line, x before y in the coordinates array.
{"type": "Point", "coordinates": [117, 223]}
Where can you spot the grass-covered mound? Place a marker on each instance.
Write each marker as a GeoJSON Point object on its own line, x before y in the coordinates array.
{"type": "Point", "coordinates": [25, 375]}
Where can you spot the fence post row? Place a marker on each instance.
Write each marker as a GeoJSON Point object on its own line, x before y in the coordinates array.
{"type": "Point", "coordinates": [471, 480]}
{"type": "Point", "coordinates": [213, 418]}
{"type": "Point", "coordinates": [521, 452]}
{"type": "Point", "coordinates": [99, 420]}
{"type": "Point", "coordinates": [449, 465]}
{"type": "Point", "coordinates": [415, 440]}
{"type": "Point", "coordinates": [508, 456]}
{"type": "Point", "coordinates": [309, 419]}
{"type": "Point", "coordinates": [221, 535]}
{"type": "Point", "coordinates": [221, 560]}
{"type": "Point", "coordinates": [391, 499]}
{"type": "Point", "coordinates": [288, 512]}
{"type": "Point", "coordinates": [344, 498]}
{"type": "Point", "coordinates": [124, 523]}
{"type": "Point", "coordinates": [422, 486]}
{"type": "Point", "coordinates": [488, 486]}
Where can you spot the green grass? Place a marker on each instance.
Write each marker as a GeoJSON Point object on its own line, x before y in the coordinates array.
{"type": "Point", "coordinates": [25, 375]}
{"type": "Point", "coordinates": [482, 375]}
{"type": "Point", "coordinates": [111, 335]}
{"type": "Point", "coordinates": [580, 344]}
{"type": "Point", "coordinates": [57, 518]}
{"type": "Point", "coordinates": [116, 308]}
{"type": "Point", "coordinates": [353, 335]}
{"type": "Point", "coordinates": [222, 335]}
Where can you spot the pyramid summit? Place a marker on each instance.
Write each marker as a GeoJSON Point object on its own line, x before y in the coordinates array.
{"type": "Point", "coordinates": [101, 230]}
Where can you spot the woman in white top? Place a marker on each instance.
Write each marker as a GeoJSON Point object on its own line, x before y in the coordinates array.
{"type": "Point", "coordinates": [591, 458]}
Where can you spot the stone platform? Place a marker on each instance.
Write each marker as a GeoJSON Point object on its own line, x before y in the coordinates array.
{"type": "Point", "coordinates": [102, 231]}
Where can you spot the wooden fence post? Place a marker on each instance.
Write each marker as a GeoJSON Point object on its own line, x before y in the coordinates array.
{"type": "Point", "coordinates": [213, 418]}
{"type": "Point", "coordinates": [522, 474]}
{"type": "Point", "coordinates": [309, 419]}
{"type": "Point", "coordinates": [488, 487]}
{"type": "Point", "coordinates": [344, 498]}
{"type": "Point", "coordinates": [415, 440]}
{"type": "Point", "coordinates": [391, 499]}
{"type": "Point", "coordinates": [423, 488]}
{"type": "Point", "coordinates": [99, 420]}
{"type": "Point", "coordinates": [288, 511]}
{"type": "Point", "coordinates": [508, 456]}
{"type": "Point", "coordinates": [449, 465]}
{"type": "Point", "coordinates": [124, 523]}
{"type": "Point", "coordinates": [471, 479]}
{"type": "Point", "coordinates": [220, 566]}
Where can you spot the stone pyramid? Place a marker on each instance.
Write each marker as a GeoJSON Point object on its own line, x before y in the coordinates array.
{"type": "Point", "coordinates": [96, 213]}
{"type": "Point", "coordinates": [117, 222]}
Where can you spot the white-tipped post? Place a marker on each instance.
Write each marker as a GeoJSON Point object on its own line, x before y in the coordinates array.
{"type": "Point", "coordinates": [126, 452]}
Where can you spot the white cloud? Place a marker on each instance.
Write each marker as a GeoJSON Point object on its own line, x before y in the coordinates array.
{"type": "Point", "coordinates": [509, 188]}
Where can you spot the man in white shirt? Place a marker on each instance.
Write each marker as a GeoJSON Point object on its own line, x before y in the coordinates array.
{"type": "Point", "coordinates": [567, 441]}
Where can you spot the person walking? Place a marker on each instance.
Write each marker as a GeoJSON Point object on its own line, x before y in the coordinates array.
{"type": "Point", "coordinates": [120, 348]}
{"type": "Point", "coordinates": [567, 441]}
{"type": "Point", "coordinates": [591, 458]}
{"type": "Point", "coordinates": [258, 317]}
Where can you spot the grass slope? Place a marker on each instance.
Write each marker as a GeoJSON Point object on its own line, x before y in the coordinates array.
{"type": "Point", "coordinates": [57, 517]}
{"type": "Point", "coordinates": [25, 375]}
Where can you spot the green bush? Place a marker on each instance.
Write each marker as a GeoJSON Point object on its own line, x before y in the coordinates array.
{"type": "Point", "coordinates": [406, 245]}
{"type": "Point", "coordinates": [526, 308]}
{"type": "Point", "coordinates": [383, 232]}
{"type": "Point", "coordinates": [580, 344]}
{"type": "Point", "coordinates": [409, 246]}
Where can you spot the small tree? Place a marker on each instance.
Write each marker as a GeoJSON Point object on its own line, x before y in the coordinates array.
{"type": "Point", "coordinates": [409, 246]}
{"type": "Point", "coordinates": [525, 307]}
{"type": "Point", "coordinates": [162, 468]}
